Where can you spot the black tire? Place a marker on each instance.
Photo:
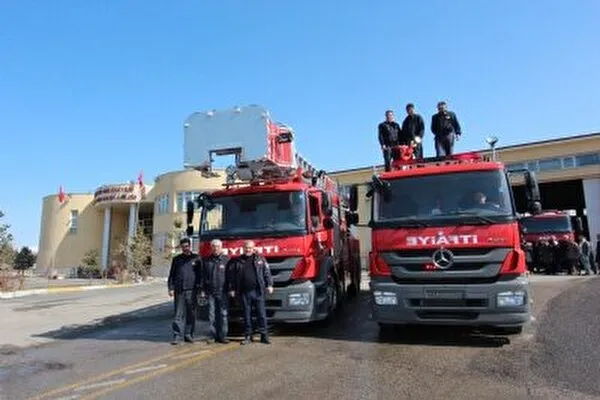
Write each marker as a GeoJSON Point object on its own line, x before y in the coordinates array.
{"type": "Point", "coordinates": [386, 328]}
{"type": "Point", "coordinates": [333, 293]}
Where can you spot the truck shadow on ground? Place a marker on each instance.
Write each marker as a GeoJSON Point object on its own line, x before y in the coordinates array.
{"type": "Point", "coordinates": [353, 324]}
{"type": "Point", "coordinates": [151, 324]}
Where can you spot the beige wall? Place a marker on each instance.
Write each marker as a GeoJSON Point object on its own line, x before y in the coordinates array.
{"type": "Point", "coordinates": [59, 248]}
{"type": "Point", "coordinates": [550, 149]}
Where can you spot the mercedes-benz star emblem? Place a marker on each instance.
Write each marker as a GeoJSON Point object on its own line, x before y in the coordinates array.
{"type": "Point", "coordinates": [443, 258]}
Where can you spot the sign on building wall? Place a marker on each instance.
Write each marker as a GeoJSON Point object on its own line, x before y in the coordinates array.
{"type": "Point", "coordinates": [120, 193]}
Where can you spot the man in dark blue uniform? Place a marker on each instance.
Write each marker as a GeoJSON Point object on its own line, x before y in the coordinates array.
{"type": "Point", "coordinates": [446, 130]}
{"type": "Point", "coordinates": [184, 279]}
{"type": "Point", "coordinates": [252, 281]}
{"type": "Point", "coordinates": [216, 285]}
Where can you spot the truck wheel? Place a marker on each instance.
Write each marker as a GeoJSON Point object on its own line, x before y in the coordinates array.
{"type": "Point", "coordinates": [386, 329]}
{"type": "Point", "coordinates": [333, 293]}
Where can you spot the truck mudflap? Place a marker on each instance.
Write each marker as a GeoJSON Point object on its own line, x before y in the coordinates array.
{"type": "Point", "coordinates": [504, 303]}
{"type": "Point", "coordinates": [296, 303]}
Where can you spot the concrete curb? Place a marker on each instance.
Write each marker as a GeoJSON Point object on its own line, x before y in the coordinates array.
{"type": "Point", "coordinates": [66, 289]}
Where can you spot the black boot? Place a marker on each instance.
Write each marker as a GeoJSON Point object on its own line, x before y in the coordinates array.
{"type": "Point", "coordinates": [265, 339]}
{"type": "Point", "coordinates": [247, 340]}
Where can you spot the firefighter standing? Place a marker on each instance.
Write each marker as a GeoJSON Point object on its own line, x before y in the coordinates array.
{"type": "Point", "coordinates": [585, 252]}
{"type": "Point", "coordinates": [253, 281]}
{"type": "Point", "coordinates": [389, 133]}
{"type": "Point", "coordinates": [446, 130]}
{"type": "Point", "coordinates": [413, 127]}
{"type": "Point", "coordinates": [184, 279]}
{"type": "Point", "coordinates": [215, 284]}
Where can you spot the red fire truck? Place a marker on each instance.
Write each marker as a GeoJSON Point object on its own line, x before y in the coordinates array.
{"type": "Point", "coordinates": [446, 244]}
{"type": "Point", "coordinates": [545, 234]}
{"type": "Point", "coordinates": [295, 214]}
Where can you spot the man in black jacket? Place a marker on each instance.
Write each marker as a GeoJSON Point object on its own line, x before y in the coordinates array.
{"type": "Point", "coordinates": [216, 285]}
{"type": "Point", "coordinates": [413, 127]}
{"type": "Point", "coordinates": [184, 279]}
{"type": "Point", "coordinates": [446, 130]}
{"type": "Point", "coordinates": [389, 134]}
{"type": "Point", "coordinates": [252, 281]}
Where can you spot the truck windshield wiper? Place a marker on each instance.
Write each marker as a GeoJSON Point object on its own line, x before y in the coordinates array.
{"type": "Point", "coordinates": [410, 222]}
{"type": "Point", "coordinates": [472, 216]}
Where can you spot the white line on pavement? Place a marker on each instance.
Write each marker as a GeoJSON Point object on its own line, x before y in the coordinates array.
{"type": "Point", "coordinates": [144, 369]}
{"type": "Point", "coordinates": [99, 384]}
{"type": "Point", "coordinates": [188, 355]}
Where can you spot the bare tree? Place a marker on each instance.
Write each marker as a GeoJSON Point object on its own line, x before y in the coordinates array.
{"type": "Point", "coordinates": [7, 255]}
{"type": "Point", "coordinates": [7, 252]}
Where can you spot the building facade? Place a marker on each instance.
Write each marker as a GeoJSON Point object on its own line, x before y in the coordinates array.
{"type": "Point", "coordinates": [568, 170]}
{"type": "Point", "coordinates": [108, 218]}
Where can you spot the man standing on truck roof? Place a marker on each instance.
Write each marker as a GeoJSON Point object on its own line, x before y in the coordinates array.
{"type": "Point", "coordinates": [215, 284]}
{"type": "Point", "coordinates": [446, 130]}
{"type": "Point", "coordinates": [413, 127]}
{"type": "Point", "coordinates": [184, 279]}
{"type": "Point", "coordinates": [389, 133]}
{"type": "Point", "coordinates": [252, 281]}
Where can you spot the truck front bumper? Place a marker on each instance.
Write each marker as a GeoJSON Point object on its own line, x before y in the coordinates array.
{"type": "Point", "coordinates": [296, 303]}
{"type": "Point", "coordinates": [499, 304]}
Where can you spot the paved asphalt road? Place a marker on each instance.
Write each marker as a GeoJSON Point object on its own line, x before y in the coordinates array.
{"type": "Point", "coordinates": [36, 319]}
{"type": "Point", "coordinates": [557, 357]}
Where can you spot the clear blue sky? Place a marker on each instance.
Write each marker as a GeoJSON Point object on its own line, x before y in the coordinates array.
{"type": "Point", "coordinates": [93, 91]}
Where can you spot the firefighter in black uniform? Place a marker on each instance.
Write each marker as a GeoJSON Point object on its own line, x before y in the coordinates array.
{"type": "Point", "coordinates": [252, 281]}
{"type": "Point", "coordinates": [183, 282]}
{"type": "Point", "coordinates": [215, 285]}
{"type": "Point", "coordinates": [389, 134]}
{"type": "Point", "coordinates": [446, 130]}
{"type": "Point", "coordinates": [413, 127]}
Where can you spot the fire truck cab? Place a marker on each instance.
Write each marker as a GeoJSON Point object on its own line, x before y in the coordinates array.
{"type": "Point", "coordinates": [294, 213]}
{"type": "Point", "coordinates": [446, 246]}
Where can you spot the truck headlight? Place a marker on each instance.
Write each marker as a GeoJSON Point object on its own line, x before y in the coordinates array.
{"type": "Point", "coordinates": [510, 299]}
{"type": "Point", "coordinates": [299, 299]}
{"type": "Point", "coordinates": [385, 298]}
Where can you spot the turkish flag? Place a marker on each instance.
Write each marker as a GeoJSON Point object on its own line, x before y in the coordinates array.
{"type": "Point", "coordinates": [61, 195]}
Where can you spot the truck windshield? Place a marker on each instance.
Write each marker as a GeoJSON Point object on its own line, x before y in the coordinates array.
{"type": "Point", "coordinates": [257, 214]}
{"type": "Point", "coordinates": [480, 197]}
{"type": "Point", "coordinates": [546, 224]}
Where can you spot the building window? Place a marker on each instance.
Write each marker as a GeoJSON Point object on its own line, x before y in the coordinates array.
{"type": "Point", "coordinates": [549, 164]}
{"type": "Point", "coordinates": [162, 204]}
{"type": "Point", "coordinates": [587, 159]}
{"type": "Point", "coordinates": [160, 242]}
{"type": "Point", "coordinates": [516, 167]}
{"type": "Point", "coordinates": [182, 200]}
{"type": "Point", "coordinates": [569, 162]}
{"type": "Point", "coordinates": [73, 221]}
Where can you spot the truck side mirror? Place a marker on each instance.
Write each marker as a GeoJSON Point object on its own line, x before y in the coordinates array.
{"type": "Point", "coordinates": [190, 212]}
{"type": "Point", "coordinates": [189, 218]}
{"type": "Point", "coordinates": [532, 191]}
{"type": "Point", "coordinates": [353, 198]}
{"type": "Point", "coordinates": [351, 218]}
{"type": "Point", "coordinates": [327, 223]}
{"type": "Point", "coordinates": [326, 205]}
{"type": "Point", "coordinates": [578, 228]}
